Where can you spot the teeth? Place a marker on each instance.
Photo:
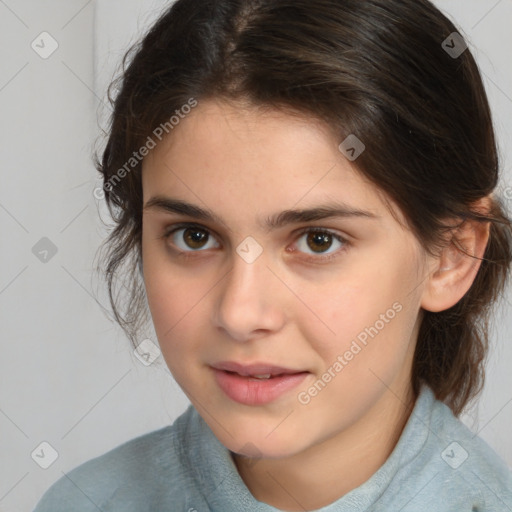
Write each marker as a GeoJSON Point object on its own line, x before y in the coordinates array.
{"type": "Point", "coordinates": [265, 376]}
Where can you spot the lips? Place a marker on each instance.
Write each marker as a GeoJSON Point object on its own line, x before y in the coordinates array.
{"type": "Point", "coordinates": [255, 384]}
{"type": "Point", "coordinates": [253, 370]}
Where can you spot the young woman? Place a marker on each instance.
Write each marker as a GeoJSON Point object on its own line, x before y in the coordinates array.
{"type": "Point", "coordinates": [307, 189]}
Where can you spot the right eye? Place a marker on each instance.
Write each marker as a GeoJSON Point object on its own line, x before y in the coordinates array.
{"type": "Point", "coordinates": [190, 237]}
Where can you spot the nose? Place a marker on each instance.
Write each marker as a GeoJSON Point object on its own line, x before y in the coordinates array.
{"type": "Point", "coordinates": [250, 301]}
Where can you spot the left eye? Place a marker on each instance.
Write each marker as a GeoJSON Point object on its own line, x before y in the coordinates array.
{"type": "Point", "coordinates": [191, 238]}
{"type": "Point", "coordinates": [319, 241]}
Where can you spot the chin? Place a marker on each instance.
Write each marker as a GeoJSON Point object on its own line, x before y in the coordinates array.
{"type": "Point", "coordinates": [259, 439]}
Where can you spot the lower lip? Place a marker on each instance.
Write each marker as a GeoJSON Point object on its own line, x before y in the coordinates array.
{"type": "Point", "coordinates": [251, 391]}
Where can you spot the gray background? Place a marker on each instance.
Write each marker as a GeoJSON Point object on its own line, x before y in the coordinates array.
{"type": "Point", "coordinates": [68, 375]}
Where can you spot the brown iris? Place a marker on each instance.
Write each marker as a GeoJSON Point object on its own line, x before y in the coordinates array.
{"type": "Point", "coordinates": [195, 238]}
{"type": "Point", "coordinates": [321, 241]}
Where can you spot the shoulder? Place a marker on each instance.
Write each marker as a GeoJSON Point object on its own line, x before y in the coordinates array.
{"type": "Point", "coordinates": [464, 445]}
{"type": "Point", "coordinates": [456, 466]}
{"type": "Point", "coordinates": [137, 470]}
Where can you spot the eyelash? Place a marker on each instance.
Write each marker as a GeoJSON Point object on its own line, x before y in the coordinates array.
{"type": "Point", "coordinates": [316, 259]}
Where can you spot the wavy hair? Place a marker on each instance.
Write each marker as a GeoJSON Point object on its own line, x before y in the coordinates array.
{"type": "Point", "coordinates": [379, 69]}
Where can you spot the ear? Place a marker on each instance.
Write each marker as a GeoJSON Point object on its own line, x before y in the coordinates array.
{"type": "Point", "coordinates": [454, 269]}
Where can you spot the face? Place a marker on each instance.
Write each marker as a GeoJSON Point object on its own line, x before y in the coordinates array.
{"type": "Point", "coordinates": [327, 304]}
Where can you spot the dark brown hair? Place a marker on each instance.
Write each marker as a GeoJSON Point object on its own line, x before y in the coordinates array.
{"type": "Point", "coordinates": [374, 68]}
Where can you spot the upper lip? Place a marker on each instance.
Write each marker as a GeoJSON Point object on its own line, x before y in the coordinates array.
{"type": "Point", "coordinates": [253, 369]}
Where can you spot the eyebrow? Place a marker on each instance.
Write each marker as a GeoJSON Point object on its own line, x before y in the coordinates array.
{"type": "Point", "coordinates": [276, 221]}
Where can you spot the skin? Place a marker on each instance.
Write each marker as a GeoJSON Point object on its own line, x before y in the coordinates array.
{"type": "Point", "coordinates": [288, 307]}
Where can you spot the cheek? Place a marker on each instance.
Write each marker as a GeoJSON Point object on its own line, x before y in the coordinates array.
{"type": "Point", "coordinates": [368, 313]}
{"type": "Point", "coordinates": [175, 308]}
{"type": "Point", "coordinates": [340, 310]}
{"type": "Point", "coordinates": [172, 291]}
{"type": "Point", "coordinates": [173, 297]}
{"type": "Point", "coordinates": [173, 302]}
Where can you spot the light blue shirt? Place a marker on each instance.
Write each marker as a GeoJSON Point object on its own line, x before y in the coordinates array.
{"type": "Point", "coordinates": [438, 465]}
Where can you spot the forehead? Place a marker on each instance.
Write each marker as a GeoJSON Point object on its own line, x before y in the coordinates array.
{"type": "Point", "coordinates": [225, 133]}
{"type": "Point", "coordinates": [244, 160]}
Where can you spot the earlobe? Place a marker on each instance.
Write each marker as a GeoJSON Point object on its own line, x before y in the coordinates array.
{"type": "Point", "coordinates": [453, 271]}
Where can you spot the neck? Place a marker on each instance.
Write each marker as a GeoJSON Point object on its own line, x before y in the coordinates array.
{"type": "Point", "coordinates": [325, 472]}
